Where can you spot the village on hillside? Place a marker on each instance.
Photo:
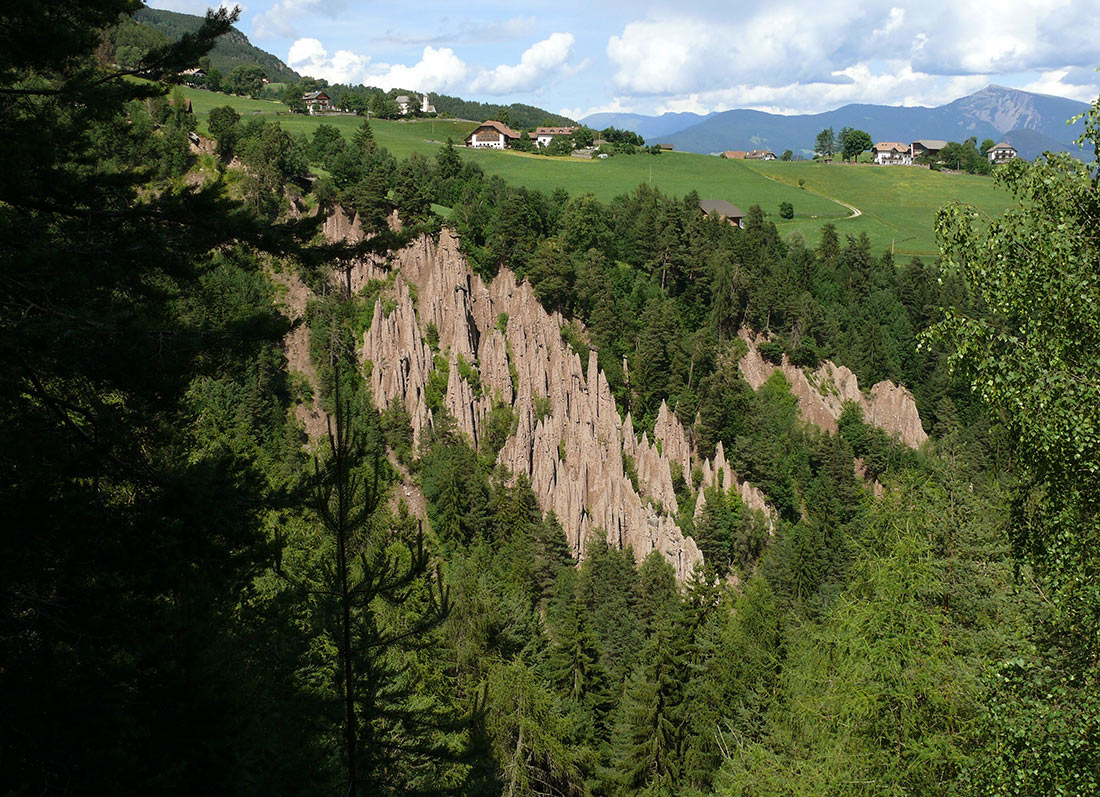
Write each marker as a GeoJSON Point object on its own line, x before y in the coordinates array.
{"type": "Point", "coordinates": [580, 141]}
{"type": "Point", "coordinates": [854, 146]}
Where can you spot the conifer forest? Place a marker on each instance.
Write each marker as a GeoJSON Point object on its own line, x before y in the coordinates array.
{"type": "Point", "coordinates": [244, 552]}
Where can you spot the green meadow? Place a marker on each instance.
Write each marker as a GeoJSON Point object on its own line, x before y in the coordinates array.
{"type": "Point", "coordinates": [897, 204]}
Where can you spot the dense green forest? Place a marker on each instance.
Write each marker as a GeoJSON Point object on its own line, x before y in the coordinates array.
{"type": "Point", "coordinates": [516, 114]}
{"type": "Point", "coordinates": [232, 49]}
{"type": "Point", "coordinates": [193, 599]}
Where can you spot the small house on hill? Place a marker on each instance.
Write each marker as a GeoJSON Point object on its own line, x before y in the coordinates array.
{"type": "Point", "coordinates": [892, 153]}
{"type": "Point", "coordinates": [491, 134]}
{"type": "Point", "coordinates": [734, 154]}
{"type": "Point", "coordinates": [760, 155]}
{"type": "Point", "coordinates": [404, 104]}
{"type": "Point", "coordinates": [926, 146]}
{"type": "Point", "coordinates": [723, 210]}
{"type": "Point", "coordinates": [1001, 153]}
{"type": "Point", "coordinates": [194, 76]}
{"type": "Point", "coordinates": [317, 102]}
{"type": "Point", "coordinates": [544, 135]}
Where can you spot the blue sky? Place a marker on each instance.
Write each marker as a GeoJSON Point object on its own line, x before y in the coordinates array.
{"type": "Point", "coordinates": [786, 56]}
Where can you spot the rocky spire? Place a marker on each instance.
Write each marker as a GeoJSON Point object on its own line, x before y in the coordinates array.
{"type": "Point", "coordinates": [569, 438]}
{"type": "Point", "coordinates": [822, 394]}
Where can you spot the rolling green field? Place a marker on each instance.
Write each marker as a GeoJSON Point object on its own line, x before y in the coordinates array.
{"type": "Point", "coordinates": [897, 204]}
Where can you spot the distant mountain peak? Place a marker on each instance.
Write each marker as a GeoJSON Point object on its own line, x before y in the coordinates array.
{"type": "Point", "coordinates": [1032, 122]}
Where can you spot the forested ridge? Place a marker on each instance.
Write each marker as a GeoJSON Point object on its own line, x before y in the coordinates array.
{"type": "Point", "coordinates": [197, 597]}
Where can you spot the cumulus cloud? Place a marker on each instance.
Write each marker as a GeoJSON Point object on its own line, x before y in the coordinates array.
{"type": "Point", "coordinates": [1077, 84]}
{"type": "Point", "coordinates": [281, 18]}
{"type": "Point", "coordinates": [541, 64]}
{"type": "Point", "coordinates": [789, 55]}
{"type": "Point", "coordinates": [437, 70]}
{"type": "Point", "coordinates": [900, 87]}
{"type": "Point", "coordinates": [616, 105]}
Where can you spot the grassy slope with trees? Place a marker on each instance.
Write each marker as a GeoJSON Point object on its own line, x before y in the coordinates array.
{"type": "Point", "coordinates": [898, 204]}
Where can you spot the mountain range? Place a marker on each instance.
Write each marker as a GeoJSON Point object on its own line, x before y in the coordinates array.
{"type": "Point", "coordinates": [1033, 123]}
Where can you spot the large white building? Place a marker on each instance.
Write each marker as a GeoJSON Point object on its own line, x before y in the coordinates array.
{"type": "Point", "coordinates": [491, 135]}
{"type": "Point", "coordinates": [544, 135]}
{"type": "Point", "coordinates": [999, 153]}
{"type": "Point", "coordinates": [892, 153]}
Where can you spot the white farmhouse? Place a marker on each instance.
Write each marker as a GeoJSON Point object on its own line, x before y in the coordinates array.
{"type": "Point", "coordinates": [1000, 153]}
{"type": "Point", "coordinates": [544, 135]}
{"type": "Point", "coordinates": [491, 134]}
{"type": "Point", "coordinates": [892, 153]}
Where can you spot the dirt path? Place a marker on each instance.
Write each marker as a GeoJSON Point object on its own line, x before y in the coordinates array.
{"type": "Point", "coordinates": [856, 212]}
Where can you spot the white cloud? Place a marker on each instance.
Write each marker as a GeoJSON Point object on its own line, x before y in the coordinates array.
{"type": "Point", "coordinates": [280, 19]}
{"type": "Point", "coordinates": [541, 64]}
{"type": "Point", "coordinates": [1064, 83]}
{"type": "Point", "coordinates": [616, 105]}
{"type": "Point", "coordinates": [438, 69]}
{"type": "Point", "coordinates": [799, 56]}
{"type": "Point", "coordinates": [893, 23]}
{"type": "Point", "coordinates": [901, 87]}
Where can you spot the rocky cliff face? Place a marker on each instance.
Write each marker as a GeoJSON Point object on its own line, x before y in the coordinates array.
{"type": "Point", "coordinates": [822, 394]}
{"type": "Point", "coordinates": [585, 462]}
{"type": "Point", "coordinates": [569, 438]}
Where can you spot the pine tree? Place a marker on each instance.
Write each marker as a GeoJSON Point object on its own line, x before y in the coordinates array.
{"type": "Point", "coordinates": [648, 745]}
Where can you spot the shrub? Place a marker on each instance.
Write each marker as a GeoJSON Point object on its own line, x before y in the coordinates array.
{"type": "Point", "coordinates": [772, 352]}
{"type": "Point", "coordinates": [786, 210]}
{"type": "Point", "coordinates": [805, 356]}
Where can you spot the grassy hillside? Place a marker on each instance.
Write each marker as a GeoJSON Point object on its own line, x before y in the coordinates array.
{"type": "Point", "coordinates": [897, 205]}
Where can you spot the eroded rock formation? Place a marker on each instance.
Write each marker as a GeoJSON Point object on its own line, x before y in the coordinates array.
{"type": "Point", "coordinates": [585, 462]}
{"type": "Point", "coordinates": [822, 394]}
{"type": "Point", "coordinates": [569, 438]}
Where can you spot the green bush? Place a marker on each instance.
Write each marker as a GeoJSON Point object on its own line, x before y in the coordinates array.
{"type": "Point", "coordinates": [772, 352]}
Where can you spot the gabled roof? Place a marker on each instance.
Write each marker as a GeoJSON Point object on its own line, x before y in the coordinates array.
{"type": "Point", "coordinates": [734, 154]}
{"type": "Point", "coordinates": [930, 143]}
{"type": "Point", "coordinates": [402, 98]}
{"type": "Point", "coordinates": [554, 131]}
{"type": "Point", "coordinates": [890, 146]}
{"type": "Point", "coordinates": [315, 95]}
{"type": "Point", "coordinates": [722, 208]}
{"type": "Point", "coordinates": [500, 127]}
{"type": "Point", "coordinates": [759, 153]}
{"type": "Point", "coordinates": [1003, 145]}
